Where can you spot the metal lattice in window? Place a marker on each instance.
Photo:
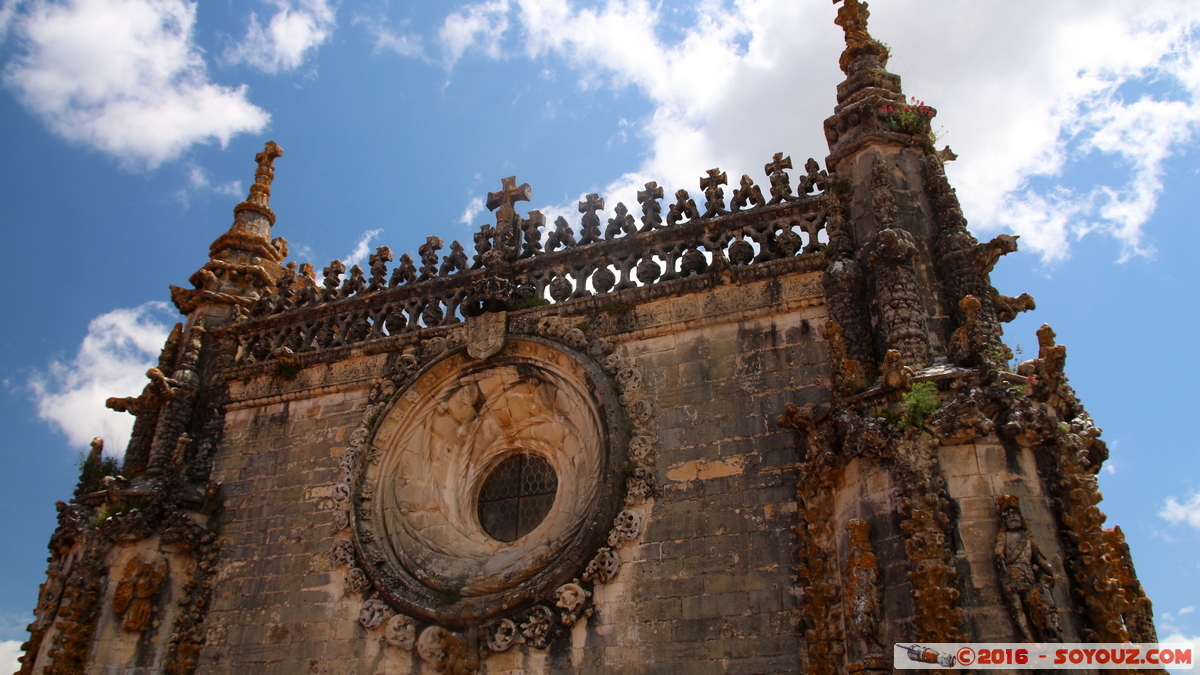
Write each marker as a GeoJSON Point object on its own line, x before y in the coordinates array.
{"type": "Point", "coordinates": [517, 496]}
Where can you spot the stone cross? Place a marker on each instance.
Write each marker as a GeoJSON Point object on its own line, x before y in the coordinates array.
{"type": "Point", "coordinates": [265, 173]}
{"type": "Point", "coordinates": [260, 193]}
{"type": "Point", "coordinates": [505, 239]}
{"type": "Point", "coordinates": [648, 198]}
{"type": "Point", "coordinates": [714, 196]}
{"type": "Point", "coordinates": [781, 189]}
{"type": "Point", "coordinates": [590, 223]}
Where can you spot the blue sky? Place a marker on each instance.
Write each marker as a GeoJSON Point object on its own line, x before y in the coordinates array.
{"type": "Point", "coordinates": [128, 130]}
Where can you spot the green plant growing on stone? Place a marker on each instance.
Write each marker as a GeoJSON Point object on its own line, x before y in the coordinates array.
{"type": "Point", "coordinates": [287, 370]}
{"type": "Point", "coordinates": [911, 119]}
{"type": "Point", "coordinates": [919, 403]}
{"type": "Point", "coordinates": [93, 470]}
{"type": "Point", "coordinates": [113, 510]}
{"type": "Point", "coordinates": [527, 303]}
{"type": "Point", "coordinates": [893, 418]}
{"type": "Point", "coordinates": [841, 186]}
{"type": "Point", "coordinates": [617, 307]}
{"type": "Point", "coordinates": [1017, 355]}
{"type": "Point", "coordinates": [628, 470]}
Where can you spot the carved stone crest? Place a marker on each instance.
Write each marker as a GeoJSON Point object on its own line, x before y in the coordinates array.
{"type": "Point", "coordinates": [486, 334]}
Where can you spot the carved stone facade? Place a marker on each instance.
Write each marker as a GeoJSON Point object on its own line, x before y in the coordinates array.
{"type": "Point", "coordinates": [764, 435]}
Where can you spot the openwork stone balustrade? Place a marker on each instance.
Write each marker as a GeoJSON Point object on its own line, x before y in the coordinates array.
{"type": "Point", "coordinates": [303, 316]}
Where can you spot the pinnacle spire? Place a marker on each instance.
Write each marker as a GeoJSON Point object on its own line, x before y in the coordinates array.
{"type": "Point", "coordinates": [852, 17]}
{"type": "Point", "coordinates": [260, 193]}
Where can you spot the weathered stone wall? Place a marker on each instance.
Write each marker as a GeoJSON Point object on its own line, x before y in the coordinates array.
{"type": "Point", "coordinates": [708, 587]}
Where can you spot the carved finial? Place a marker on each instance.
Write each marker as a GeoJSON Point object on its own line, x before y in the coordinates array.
{"type": "Point", "coordinates": [621, 223]}
{"type": "Point", "coordinates": [714, 196]}
{"type": "Point", "coordinates": [455, 262]}
{"type": "Point", "coordinates": [748, 194]}
{"type": "Point", "coordinates": [683, 206]}
{"type": "Point", "coordinates": [378, 261]}
{"type": "Point", "coordinates": [429, 257]}
{"type": "Point", "coordinates": [260, 193]}
{"type": "Point", "coordinates": [532, 227]}
{"type": "Point", "coordinates": [333, 282]}
{"type": "Point", "coordinates": [852, 17]}
{"type": "Point", "coordinates": [652, 210]}
{"type": "Point", "coordinates": [562, 235]}
{"type": "Point", "coordinates": [781, 188]}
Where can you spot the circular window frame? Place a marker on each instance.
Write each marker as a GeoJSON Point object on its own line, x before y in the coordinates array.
{"type": "Point", "coordinates": [490, 474]}
{"type": "Point", "coordinates": [542, 560]}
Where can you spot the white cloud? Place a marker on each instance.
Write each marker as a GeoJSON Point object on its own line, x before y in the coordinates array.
{"type": "Point", "coordinates": [287, 38]}
{"type": "Point", "coordinates": [481, 26]}
{"type": "Point", "coordinates": [198, 181]}
{"type": "Point", "coordinates": [125, 77]}
{"type": "Point", "coordinates": [8, 12]}
{"type": "Point", "coordinates": [474, 208]}
{"type": "Point", "coordinates": [1178, 637]}
{"type": "Point", "coordinates": [1187, 610]}
{"type": "Point", "coordinates": [1026, 90]}
{"type": "Point", "coordinates": [112, 360]}
{"type": "Point", "coordinates": [404, 44]}
{"type": "Point", "coordinates": [10, 651]}
{"type": "Point", "coordinates": [1177, 513]}
{"type": "Point", "coordinates": [362, 249]}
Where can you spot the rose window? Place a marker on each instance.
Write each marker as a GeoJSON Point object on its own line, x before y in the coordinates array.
{"type": "Point", "coordinates": [516, 497]}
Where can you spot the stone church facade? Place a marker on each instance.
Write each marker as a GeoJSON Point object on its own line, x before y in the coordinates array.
{"type": "Point", "coordinates": [764, 429]}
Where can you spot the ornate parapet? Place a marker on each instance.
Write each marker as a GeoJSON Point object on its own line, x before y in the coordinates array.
{"type": "Point", "coordinates": [722, 245]}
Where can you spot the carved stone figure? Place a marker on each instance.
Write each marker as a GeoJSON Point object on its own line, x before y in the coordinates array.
{"type": "Point", "coordinates": [1026, 578]}
{"type": "Point", "coordinates": [894, 375]}
{"type": "Point", "coordinates": [963, 348]}
{"type": "Point", "coordinates": [133, 598]}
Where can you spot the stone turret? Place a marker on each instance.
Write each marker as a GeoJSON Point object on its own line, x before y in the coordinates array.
{"type": "Point", "coordinates": [900, 225]}
{"type": "Point", "coordinates": [244, 262]}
